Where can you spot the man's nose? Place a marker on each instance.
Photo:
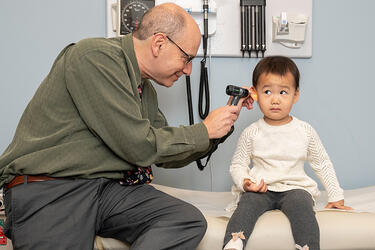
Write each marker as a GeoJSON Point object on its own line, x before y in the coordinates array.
{"type": "Point", "coordinates": [188, 68]}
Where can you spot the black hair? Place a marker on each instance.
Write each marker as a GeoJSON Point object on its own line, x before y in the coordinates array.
{"type": "Point", "coordinates": [279, 65]}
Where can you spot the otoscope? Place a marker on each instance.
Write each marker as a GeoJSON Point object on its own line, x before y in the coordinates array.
{"type": "Point", "coordinates": [237, 93]}
{"type": "Point", "coordinates": [205, 26]}
{"type": "Point", "coordinates": [203, 81]}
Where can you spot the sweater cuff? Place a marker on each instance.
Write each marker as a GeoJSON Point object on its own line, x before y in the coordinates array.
{"type": "Point", "coordinates": [335, 198]}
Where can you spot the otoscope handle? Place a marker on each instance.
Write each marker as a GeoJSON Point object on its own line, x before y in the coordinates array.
{"type": "Point", "coordinates": [235, 100]}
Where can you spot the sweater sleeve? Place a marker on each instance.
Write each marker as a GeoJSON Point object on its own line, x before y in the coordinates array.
{"type": "Point", "coordinates": [240, 165]}
{"type": "Point", "coordinates": [322, 166]}
{"type": "Point", "coordinates": [101, 88]}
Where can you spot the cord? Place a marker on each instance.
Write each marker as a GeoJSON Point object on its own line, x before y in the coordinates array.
{"type": "Point", "coordinates": [203, 89]}
{"type": "Point", "coordinates": [209, 80]}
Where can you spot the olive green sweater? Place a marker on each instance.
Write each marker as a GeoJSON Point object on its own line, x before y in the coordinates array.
{"type": "Point", "coordinates": [87, 120]}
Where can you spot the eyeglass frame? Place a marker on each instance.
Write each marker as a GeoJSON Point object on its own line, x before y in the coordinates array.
{"type": "Point", "coordinates": [189, 58]}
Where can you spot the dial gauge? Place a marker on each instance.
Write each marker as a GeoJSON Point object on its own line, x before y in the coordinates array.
{"type": "Point", "coordinates": [132, 13]}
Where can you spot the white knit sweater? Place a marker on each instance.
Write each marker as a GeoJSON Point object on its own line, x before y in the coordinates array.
{"type": "Point", "coordinates": [277, 155]}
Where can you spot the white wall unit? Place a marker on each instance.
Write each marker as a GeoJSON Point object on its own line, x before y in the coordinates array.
{"type": "Point", "coordinates": [226, 40]}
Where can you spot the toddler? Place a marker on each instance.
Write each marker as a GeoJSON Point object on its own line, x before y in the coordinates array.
{"type": "Point", "coordinates": [268, 165]}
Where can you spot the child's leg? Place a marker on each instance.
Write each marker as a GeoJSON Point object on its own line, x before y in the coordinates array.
{"type": "Point", "coordinates": [251, 206]}
{"type": "Point", "coordinates": [297, 205]}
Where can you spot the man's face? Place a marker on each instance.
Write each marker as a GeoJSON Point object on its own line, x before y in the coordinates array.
{"type": "Point", "coordinates": [276, 96]}
{"type": "Point", "coordinates": [174, 59]}
{"type": "Point", "coordinates": [175, 65]}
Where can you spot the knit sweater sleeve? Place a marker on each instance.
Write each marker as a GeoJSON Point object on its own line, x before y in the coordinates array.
{"type": "Point", "coordinates": [322, 166]}
{"type": "Point", "coordinates": [240, 165]}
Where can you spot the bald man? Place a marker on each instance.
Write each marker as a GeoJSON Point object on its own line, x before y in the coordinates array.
{"type": "Point", "coordinates": [82, 153]}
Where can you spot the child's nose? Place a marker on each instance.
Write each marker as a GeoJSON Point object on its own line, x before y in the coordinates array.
{"type": "Point", "coordinates": [275, 99]}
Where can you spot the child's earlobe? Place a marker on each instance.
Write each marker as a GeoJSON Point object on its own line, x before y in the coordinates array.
{"type": "Point", "coordinates": [253, 94]}
{"type": "Point", "coordinates": [296, 96]}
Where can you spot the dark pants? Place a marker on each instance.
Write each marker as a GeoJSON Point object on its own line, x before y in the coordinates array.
{"type": "Point", "coordinates": [296, 204]}
{"type": "Point", "coordinates": [67, 214]}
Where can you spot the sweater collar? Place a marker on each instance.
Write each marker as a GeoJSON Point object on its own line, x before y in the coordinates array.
{"type": "Point", "coordinates": [287, 125]}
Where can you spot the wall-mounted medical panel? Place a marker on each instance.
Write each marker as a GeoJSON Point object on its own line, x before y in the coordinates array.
{"type": "Point", "coordinates": [235, 27]}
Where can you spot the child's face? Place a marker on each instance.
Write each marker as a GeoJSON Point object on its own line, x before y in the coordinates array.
{"type": "Point", "coordinates": [276, 96]}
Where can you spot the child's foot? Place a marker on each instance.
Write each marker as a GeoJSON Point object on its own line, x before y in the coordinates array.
{"type": "Point", "coordinates": [236, 242]}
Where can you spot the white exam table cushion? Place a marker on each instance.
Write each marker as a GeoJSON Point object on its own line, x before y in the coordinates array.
{"type": "Point", "coordinates": [339, 230]}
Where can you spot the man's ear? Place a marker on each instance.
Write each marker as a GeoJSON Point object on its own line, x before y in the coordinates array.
{"type": "Point", "coordinates": [296, 96]}
{"type": "Point", "coordinates": [157, 42]}
{"type": "Point", "coordinates": [253, 93]}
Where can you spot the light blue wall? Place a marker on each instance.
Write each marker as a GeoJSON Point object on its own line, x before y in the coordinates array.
{"type": "Point", "coordinates": [337, 83]}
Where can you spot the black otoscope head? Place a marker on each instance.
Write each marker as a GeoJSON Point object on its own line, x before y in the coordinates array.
{"type": "Point", "coordinates": [237, 92]}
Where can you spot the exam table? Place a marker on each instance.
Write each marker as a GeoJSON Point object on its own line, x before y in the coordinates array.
{"type": "Point", "coordinates": [339, 230]}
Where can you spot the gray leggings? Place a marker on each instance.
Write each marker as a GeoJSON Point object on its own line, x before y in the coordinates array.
{"type": "Point", "coordinates": [296, 204]}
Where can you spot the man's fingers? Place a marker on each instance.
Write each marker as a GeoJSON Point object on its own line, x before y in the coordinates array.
{"type": "Point", "coordinates": [220, 121]}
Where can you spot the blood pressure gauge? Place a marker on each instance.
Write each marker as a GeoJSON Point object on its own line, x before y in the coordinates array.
{"type": "Point", "coordinates": [131, 14]}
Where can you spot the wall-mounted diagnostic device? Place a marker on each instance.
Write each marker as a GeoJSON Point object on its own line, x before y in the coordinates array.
{"type": "Point", "coordinates": [127, 14]}
{"type": "Point", "coordinates": [253, 26]}
{"type": "Point", "coordinates": [235, 28]}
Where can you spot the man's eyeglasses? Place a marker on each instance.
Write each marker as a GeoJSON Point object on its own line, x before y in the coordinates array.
{"type": "Point", "coordinates": [189, 58]}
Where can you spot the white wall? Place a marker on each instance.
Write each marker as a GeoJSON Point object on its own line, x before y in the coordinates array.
{"type": "Point", "coordinates": [337, 83]}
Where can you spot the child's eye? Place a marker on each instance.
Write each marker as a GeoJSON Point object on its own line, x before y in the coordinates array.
{"type": "Point", "coordinates": [283, 92]}
{"type": "Point", "coordinates": [267, 92]}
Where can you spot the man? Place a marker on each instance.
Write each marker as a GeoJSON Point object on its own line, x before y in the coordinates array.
{"type": "Point", "coordinates": [86, 141]}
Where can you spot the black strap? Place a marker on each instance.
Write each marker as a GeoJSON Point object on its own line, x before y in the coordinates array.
{"type": "Point", "coordinates": [216, 142]}
{"type": "Point", "coordinates": [215, 145]}
{"type": "Point", "coordinates": [191, 115]}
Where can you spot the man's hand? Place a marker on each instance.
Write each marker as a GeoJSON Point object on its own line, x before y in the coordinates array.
{"type": "Point", "coordinates": [249, 186]}
{"type": "Point", "coordinates": [219, 121]}
{"type": "Point", "coordinates": [339, 205]}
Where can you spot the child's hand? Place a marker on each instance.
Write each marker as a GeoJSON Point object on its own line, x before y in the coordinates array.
{"type": "Point", "coordinates": [339, 205]}
{"type": "Point", "coordinates": [249, 186]}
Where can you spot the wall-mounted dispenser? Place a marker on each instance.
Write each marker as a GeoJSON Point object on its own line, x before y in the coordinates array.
{"type": "Point", "coordinates": [289, 29]}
